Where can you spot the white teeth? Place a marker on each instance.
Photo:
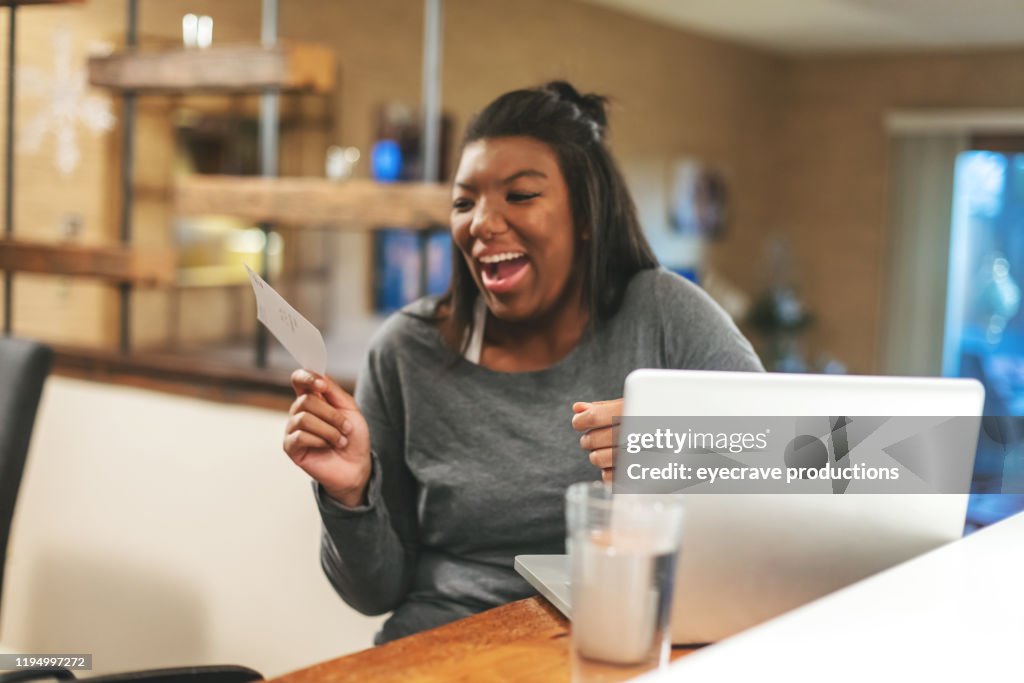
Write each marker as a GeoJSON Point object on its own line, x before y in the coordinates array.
{"type": "Point", "coordinates": [498, 258]}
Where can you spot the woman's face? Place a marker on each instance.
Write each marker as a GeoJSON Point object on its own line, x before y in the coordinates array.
{"type": "Point", "coordinates": [512, 221]}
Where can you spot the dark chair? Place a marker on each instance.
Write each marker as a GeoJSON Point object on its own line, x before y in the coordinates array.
{"type": "Point", "coordinates": [23, 675]}
{"type": "Point", "coordinates": [185, 674]}
{"type": "Point", "coordinates": [24, 366]}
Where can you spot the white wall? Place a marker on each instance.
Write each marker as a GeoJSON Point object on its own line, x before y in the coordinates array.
{"type": "Point", "coordinates": [153, 530]}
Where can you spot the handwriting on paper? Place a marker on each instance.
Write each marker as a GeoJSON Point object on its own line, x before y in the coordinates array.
{"type": "Point", "coordinates": [297, 335]}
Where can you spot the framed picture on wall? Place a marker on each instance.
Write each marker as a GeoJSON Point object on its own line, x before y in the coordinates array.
{"type": "Point", "coordinates": [698, 200]}
{"type": "Point", "coordinates": [409, 264]}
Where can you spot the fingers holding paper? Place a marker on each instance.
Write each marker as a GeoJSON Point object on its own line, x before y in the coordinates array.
{"type": "Point", "coordinates": [327, 436]}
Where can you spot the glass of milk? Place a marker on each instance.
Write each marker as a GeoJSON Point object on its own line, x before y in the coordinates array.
{"type": "Point", "coordinates": [622, 558]}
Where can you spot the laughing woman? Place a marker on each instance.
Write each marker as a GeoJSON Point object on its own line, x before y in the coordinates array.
{"type": "Point", "coordinates": [464, 432]}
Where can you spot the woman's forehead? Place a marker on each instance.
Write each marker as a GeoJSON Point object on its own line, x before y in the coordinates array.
{"type": "Point", "coordinates": [494, 159]}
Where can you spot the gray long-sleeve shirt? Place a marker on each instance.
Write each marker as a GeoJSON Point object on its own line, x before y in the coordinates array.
{"type": "Point", "coordinates": [470, 465]}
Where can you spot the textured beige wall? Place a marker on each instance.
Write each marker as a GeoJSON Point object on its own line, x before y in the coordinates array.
{"type": "Point", "coordinates": [832, 174]}
{"type": "Point", "coordinates": [674, 94]}
{"type": "Point", "coordinates": [801, 140]}
{"type": "Point", "coordinates": [55, 308]}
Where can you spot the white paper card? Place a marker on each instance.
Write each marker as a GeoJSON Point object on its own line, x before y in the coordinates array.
{"type": "Point", "coordinates": [299, 336]}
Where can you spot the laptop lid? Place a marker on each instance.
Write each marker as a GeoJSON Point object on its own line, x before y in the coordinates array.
{"type": "Point", "coordinates": [746, 558]}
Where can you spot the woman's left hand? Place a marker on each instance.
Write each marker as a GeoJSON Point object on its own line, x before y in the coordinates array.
{"type": "Point", "coordinates": [594, 419]}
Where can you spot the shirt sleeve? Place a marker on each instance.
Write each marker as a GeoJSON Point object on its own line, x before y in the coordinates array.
{"type": "Point", "coordinates": [697, 333]}
{"type": "Point", "coordinates": [369, 552]}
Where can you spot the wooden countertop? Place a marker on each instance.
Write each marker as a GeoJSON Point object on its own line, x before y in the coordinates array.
{"type": "Point", "coordinates": [526, 640]}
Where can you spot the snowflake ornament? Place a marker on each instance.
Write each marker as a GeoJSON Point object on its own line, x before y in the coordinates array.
{"type": "Point", "coordinates": [66, 104]}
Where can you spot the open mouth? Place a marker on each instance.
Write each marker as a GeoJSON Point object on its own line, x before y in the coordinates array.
{"type": "Point", "coordinates": [501, 272]}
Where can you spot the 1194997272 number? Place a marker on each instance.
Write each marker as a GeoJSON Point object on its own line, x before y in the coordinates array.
{"type": "Point", "coordinates": [45, 661]}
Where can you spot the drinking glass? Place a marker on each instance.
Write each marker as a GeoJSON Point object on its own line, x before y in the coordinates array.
{"type": "Point", "coordinates": [622, 558]}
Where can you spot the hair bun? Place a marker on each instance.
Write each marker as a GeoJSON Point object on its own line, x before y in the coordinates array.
{"type": "Point", "coordinates": [590, 105]}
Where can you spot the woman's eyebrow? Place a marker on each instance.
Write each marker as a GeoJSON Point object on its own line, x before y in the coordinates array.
{"type": "Point", "coordinates": [525, 173]}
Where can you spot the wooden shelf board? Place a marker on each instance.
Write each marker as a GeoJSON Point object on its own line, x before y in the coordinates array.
{"type": "Point", "coordinates": [182, 374]}
{"type": "Point", "coordinates": [211, 277]}
{"type": "Point", "coordinates": [351, 204]}
{"type": "Point", "coordinates": [18, 3]}
{"type": "Point", "coordinates": [288, 66]}
{"type": "Point", "coordinates": [114, 263]}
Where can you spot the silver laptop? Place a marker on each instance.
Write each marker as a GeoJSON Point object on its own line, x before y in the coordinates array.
{"type": "Point", "coordinates": [748, 558]}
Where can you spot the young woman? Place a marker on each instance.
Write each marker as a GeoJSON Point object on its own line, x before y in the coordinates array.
{"type": "Point", "coordinates": [455, 453]}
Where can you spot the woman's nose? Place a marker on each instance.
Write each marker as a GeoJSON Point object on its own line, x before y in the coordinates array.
{"type": "Point", "coordinates": [487, 222]}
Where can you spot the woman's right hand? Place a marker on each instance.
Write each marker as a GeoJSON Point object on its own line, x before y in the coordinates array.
{"type": "Point", "coordinates": [327, 437]}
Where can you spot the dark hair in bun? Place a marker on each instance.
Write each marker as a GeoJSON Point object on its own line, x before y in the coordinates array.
{"type": "Point", "coordinates": [591, 107]}
{"type": "Point", "coordinates": [575, 126]}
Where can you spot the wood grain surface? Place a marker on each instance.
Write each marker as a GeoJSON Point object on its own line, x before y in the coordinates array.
{"type": "Point", "coordinates": [184, 374]}
{"type": "Point", "coordinates": [526, 640]}
{"type": "Point", "coordinates": [356, 204]}
{"type": "Point", "coordinates": [291, 66]}
{"type": "Point", "coordinates": [113, 263]}
{"type": "Point", "coordinates": [17, 3]}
